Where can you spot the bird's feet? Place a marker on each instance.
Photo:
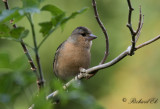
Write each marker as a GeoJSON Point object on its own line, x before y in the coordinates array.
{"type": "Point", "coordinates": [85, 75]}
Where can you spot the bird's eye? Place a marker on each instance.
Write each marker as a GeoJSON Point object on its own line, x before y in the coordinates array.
{"type": "Point", "coordinates": [83, 34]}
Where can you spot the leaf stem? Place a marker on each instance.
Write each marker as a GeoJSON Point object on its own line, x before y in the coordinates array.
{"type": "Point", "coordinates": [41, 81]}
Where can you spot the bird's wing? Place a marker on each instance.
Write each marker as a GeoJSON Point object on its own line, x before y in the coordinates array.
{"type": "Point", "coordinates": [56, 58]}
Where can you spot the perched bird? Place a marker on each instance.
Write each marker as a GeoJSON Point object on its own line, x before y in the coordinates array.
{"type": "Point", "coordinates": [73, 54]}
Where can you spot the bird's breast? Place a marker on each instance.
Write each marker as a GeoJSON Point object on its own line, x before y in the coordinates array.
{"type": "Point", "coordinates": [76, 56]}
{"type": "Point", "coordinates": [72, 58]}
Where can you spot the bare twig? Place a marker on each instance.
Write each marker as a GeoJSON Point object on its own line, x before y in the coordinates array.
{"type": "Point", "coordinates": [30, 60]}
{"type": "Point", "coordinates": [148, 42]}
{"type": "Point", "coordinates": [129, 25]}
{"type": "Point", "coordinates": [105, 34]}
{"type": "Point", "coordinates": [140, 19]}
{"type": "Point", "coordinates": [138, 32]}
{"type": "Point", "coordinates": [104, 31]}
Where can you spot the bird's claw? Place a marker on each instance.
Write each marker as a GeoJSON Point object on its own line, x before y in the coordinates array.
{"type": "Point", "coordinates": [82, 70]}
{"type": "Point", "coordinates": [86, 75]}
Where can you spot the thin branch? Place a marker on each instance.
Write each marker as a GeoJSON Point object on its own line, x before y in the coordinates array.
{"type": "Point", "coordinates": [138, 34]}
{"type": "Point", "coordinates": [41, 81]}
{"type": "Point", "coordinates": [104, 31]}
{"type": "Point", "coordinates": [28, 46]}
{"type": "Point", "coordinates": [30, 60]}
{"type": "Point", "coordinates": [148, 42]}
{"type": "Point", "coordinates": [129, 25]}
{"type": "Point", "coordinates": [140, 20]}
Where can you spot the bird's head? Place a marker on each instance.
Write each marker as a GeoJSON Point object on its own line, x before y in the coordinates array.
{"type": "Point", "coordinates": [82, 35]}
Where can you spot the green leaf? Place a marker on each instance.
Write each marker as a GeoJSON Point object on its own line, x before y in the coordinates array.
{"type": "Point", "coordinates": [16, 32]}
{"type": "Point", "coordinates": [24, 34]}
{"type": "Point", "coordinates": [57, 19]}
{"type": "Point", "coordinates": [45, 27]}
{"type": "Point", "coordinates": [19, 32]}
{"type": "Point", "coordinates": [7, 15]}
{"type": "Point", "coordinates": [4, 30]}
{"type": "Point", "coordinates": [17, 14]}
{"type": "Point", "coordinates": [12, 34]}
{"type": "Point", "coordinates": [52, 9]}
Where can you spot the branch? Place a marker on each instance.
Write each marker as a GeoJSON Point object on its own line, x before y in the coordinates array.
{"type": "Point", "coordinates": [41, 80]}
{"type": "Point", "coordinates": [30, 60]}
{"type": "Point", "coordinates": [105, 34]}
{"type": "Point", "coordinates": [129, 25]}
{"type": "Point", "coordinates": [148, 42]}
{"type": "Point", "coordinates": [139, 25]}
{"type": "Point", "coordinates": [104, 31]}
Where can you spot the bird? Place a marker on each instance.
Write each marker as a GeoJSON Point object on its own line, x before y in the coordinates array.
{"type": "Point", "coordinates": [73, 54]}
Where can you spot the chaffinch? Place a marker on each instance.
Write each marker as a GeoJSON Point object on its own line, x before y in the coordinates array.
{"type": "Point", "coordinates": [73, 54]}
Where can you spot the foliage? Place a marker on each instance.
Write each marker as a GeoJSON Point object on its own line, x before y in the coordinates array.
{"type": "Point", "coordinates": [14, 79]}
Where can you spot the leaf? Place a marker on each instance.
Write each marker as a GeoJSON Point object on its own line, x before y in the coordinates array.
{"type": "Point", "coordinates": [52, 9]}
{"type": "Point", "coordinates": [24, 34]}
{"type": "Point", "coordinates": [4, 30]}
{"type": "Point", "coordinates": [16, 32]}
{"type": "Point", "coordinates": [17, 14]}
{"type": "Point", "coordinates": [19, 32]}
{"type": "Point", "coordinates": [7, 15]}
{"type": "Point", "coordinates": [12, 34]}
{"type": "Point", "coordinates": [45, 27]}
{"type": "Point", "coordinates": [57, 19]}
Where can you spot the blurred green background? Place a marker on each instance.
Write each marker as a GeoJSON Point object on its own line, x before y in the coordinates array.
{"type": "Point", "coordinates": [133, 77]}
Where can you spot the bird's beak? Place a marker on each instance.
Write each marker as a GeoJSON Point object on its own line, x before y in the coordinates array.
{"type": "Point", "coordinates": [91, 37]}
